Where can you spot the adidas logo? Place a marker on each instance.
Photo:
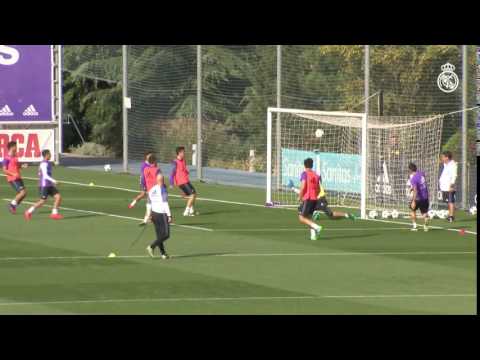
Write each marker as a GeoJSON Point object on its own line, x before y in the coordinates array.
{"type": "Point", "coordinates": [6, 111]}
{"type": "Point", "coordinates": [30, 111]}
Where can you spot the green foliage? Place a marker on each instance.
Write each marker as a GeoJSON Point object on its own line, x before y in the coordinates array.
{"type": "Point", "coordinates": [455, 142]}
{"type": "Point", "coordinates": [239, 83]}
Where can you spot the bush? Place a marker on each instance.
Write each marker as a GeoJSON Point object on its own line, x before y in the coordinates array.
{"type": "Point", "coordinates": [91, 149]}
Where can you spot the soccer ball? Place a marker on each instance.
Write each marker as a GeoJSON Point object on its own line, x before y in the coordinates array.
{"type": "Point", "coordinates": [108, 167]}
{"type": "Point", "coordinates": [319, 133]}
{"type": "Point", "coordinates": [373, 214]}
{"type": "Point", "coordinates": [473, 210]}
{"type": "Point", "coordinates": [395, 214]}
{"type": "Point", "coordinates": [442, 214]}
{"type": "Point", "coordinates": [385, 214]}
{"type": "Point", "coordinates": [432, 214]}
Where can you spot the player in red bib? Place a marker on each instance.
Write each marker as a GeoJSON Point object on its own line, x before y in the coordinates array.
{"type": "Point", "coordinates": [149, 174]}
{"type": "Point", "coordinates": [308, 195]}
{"type": "Point", "coordinates": [180, 177]}
{"type": "Point", "coordinates": [143, 190]}
{"type": "Point", "coordinates": [11, 168]}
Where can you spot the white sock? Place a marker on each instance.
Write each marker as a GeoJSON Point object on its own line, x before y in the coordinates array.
{"type": "Point", "coordinates": [147, 212]}
{"type": "Point", "coordinates": [315, 227]}
{"type": "Point", "coordinates": [31, 210]}
{"type": "Point", "coordinates": [313, 232]}
{"type": "Point", "coordinates": [190, 210]}
{"type": "Point", "coordinates": [133, 203]}
{"type": "Point", "coordinates": [54, 211]}
{"type": "Point", "coordinates": [414, 225]}
{"type": "Point", "coordinates": [14, 202]}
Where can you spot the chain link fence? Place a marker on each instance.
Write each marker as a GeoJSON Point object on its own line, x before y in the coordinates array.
{"type": "Point", "coordinates": [239, 82]}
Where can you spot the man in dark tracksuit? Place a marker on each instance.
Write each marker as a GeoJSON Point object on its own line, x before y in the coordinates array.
{"type": "Point", "coordinates": [161, 216]}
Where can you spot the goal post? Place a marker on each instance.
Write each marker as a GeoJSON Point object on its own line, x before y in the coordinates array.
{"type": "Point", "coordinates": [363, 161]}
{"type": "Point", "coordinates": [302, 135]}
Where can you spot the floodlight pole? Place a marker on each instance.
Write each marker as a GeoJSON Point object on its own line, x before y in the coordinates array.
{"type": "Point", "coordinates": [199, 112]}
{"type": "Point", "coordinates": [464, 124]}
{"type": "Point", "coordinates": [124, 106]}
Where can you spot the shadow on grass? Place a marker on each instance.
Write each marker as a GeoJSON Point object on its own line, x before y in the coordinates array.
{"type": "Point", "coordinates": [199, 255]}
{"type": "Point", "coordinates": [79, 217]}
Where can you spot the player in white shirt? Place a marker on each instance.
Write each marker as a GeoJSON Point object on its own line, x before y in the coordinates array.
{"type": "Point", "coordinates": [447, 181]}
{"type": "Point", "coordinates": [161, 216]}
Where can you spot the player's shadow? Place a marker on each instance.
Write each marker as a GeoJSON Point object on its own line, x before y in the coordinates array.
{"type": "Point", "coordinates": [79, 217]}
{"type": "Point", "coordinates": [349, 236]}
{"type": "Point", "coordinates": [199, 255]}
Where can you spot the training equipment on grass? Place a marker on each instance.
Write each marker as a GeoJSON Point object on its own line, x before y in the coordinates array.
{"type": "Point", "coordinates": [473, 210]}
{"type": "Point", "coordinates": [355, 173]}
{"type": "Point", "coordinates": [432, 214]}
{"type": "Point", "coordinates": [91, 184]}
{"type": "Point", "coordinates": [385, 214]}
{"type": "Point", "coordinates": [373, 214]}
{"type": "Point", "coordinates": [107, 168]}
{"type": "Point", "coordinates": [394, 214]}
{"type": "Point", "coordinates": [112, 255]}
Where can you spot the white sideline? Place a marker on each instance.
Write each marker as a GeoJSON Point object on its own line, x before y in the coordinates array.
{"type": "Point", "coordinates": [431, 226]}
{"type": "Point", "coordinates": [136, 191]}
{"type": "Point", "coordinates": [245, 298]}
{"type": "Point", "coordinates": [98, 257]}
{"type": "Point", "coordinates": [115, 216]}
{"type": "Point", "coordinates": [245, 204]}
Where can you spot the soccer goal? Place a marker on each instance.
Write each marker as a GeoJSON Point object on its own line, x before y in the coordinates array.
{"type": "Point", "coordinates": [363, 161]}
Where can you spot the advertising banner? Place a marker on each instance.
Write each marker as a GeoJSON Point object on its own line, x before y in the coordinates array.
{"type": "Point", "coordinates": [26, 83]}
{"type": "Point", "coordinates": [30, 143]}
{"type": "Point", "coordinates": [340, 172]}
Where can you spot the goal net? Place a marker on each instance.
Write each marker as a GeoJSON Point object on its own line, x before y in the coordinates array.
{"type": "Point", "coordinates": [360, 168]}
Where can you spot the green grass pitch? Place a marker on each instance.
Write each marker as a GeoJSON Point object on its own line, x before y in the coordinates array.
{"type": "Point", "coordinates": [232, 259]}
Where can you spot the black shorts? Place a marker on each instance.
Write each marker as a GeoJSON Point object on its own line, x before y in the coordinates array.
{"type": "Point", "coordinates": [47, 191]}
{"type": "Point", "coordinates": [322, 205]}
{"type": "Point", "coordinates": [421, 205]}
{"type": "Point", "coordinates": [448, 197]}
{"type": "Point", "coordinates": [17, 185]}
{"type": "Point", "coordinates": [307, 207]}
{"type": "Point", "coordinates": [187, 189]}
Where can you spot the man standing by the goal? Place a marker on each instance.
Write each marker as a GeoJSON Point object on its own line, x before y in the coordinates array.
{"type": "Point", "coordinates": [308, 194]}
{"type": "Point", "coordinates": [447, 183]}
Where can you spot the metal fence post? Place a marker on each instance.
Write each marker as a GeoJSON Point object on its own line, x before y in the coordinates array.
{"type": "Point", "coordinates": [199, 112]}
{"type": "Point", "coordinates": [278, 131]}
{"type": "Point", "coordinates": [124, 106]}
{"type": "Point", "coordinates": [464, 125]}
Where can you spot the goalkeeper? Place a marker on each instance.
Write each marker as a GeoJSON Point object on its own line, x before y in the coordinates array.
{"type": "Point", "coordinates": [322, 205]}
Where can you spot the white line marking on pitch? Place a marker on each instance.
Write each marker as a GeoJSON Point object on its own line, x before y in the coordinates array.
{"type": "Point", "coordinates": [431, 226]}
{"type": "Point", "coordinates": [305, 229]}
{"type": "Point", "coordinates": [136, 191]}
{"type": "Point", "coordinates": [246, 298]}
{"type": "Point", "coordinates": [116, 216]}
{"type": "Point", "coordinates": [98, 257]}
{"type": "Point", "coordinates": [241, 203]}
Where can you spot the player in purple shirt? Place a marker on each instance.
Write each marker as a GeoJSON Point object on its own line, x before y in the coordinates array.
{"type": "Point", "coordinates": [47, 188]}
{"type": "Point", "coordinates": [143, 186]}
{"type": "Point", "coordinates": [419, 192]}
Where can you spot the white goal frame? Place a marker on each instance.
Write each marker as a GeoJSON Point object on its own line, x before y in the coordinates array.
{"type": "Point", "coordinates": [364, 120]}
